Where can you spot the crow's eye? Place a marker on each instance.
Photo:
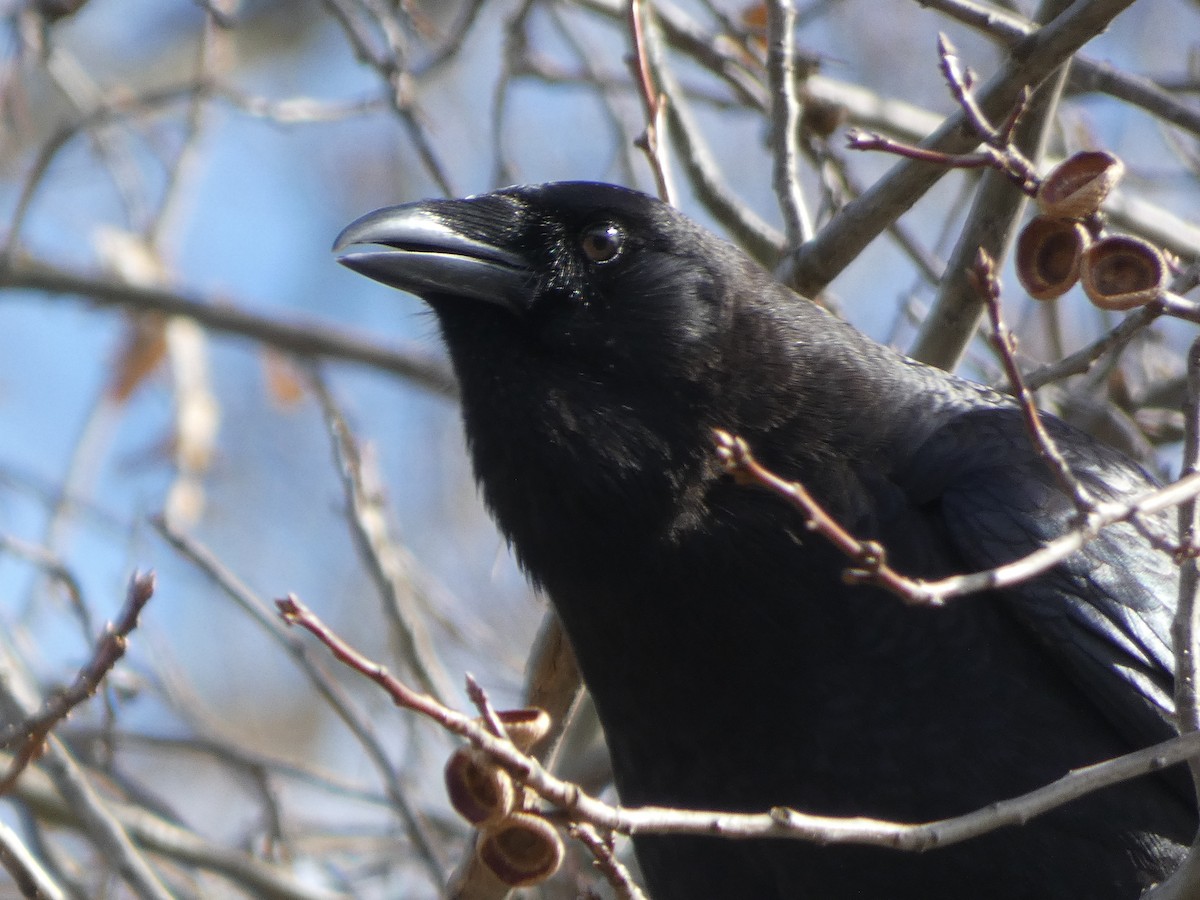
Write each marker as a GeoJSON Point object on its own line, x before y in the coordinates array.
{"type": "Point", "coordinates": [602, 243]}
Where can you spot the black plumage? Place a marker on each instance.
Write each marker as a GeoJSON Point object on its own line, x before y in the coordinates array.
{"type": "Point", "coordinates": [599, 337]}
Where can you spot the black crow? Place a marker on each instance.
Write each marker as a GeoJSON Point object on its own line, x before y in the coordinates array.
{"type": "Point", "coordinates": [600, 337]}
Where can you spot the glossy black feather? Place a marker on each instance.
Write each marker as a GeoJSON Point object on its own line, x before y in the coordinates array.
{"type": "Point", "coordinates": [731, 666]}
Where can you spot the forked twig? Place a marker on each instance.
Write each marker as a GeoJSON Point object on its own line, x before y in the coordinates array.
{"type": "Point", "coordinates": [987, 285]}
{"type": "Point", "coordinates": [869, 564]}
{"type": "Point", "coordinates": [780, 822]}
{"type": "Point", "coordinates": [997, 150]}
{"type": "Point", "coordinates": [107, 653]}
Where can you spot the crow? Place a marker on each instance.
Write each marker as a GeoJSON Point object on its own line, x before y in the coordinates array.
{"type": "Point", "coordinates": [599, 337]}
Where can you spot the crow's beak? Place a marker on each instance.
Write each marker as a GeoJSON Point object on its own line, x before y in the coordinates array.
{"type": "Point", "coordinates": [419, 250]}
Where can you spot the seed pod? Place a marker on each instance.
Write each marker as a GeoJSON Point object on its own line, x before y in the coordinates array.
{"type": "Point", "coordinates": [1122, 272]}
{"type": "Point", "coordinates": [1049, 255]}
{"type": "Point", "coordinates": [522, 849]}
{"type": "Point", "coordinates": [821, 118]}
{"type": "Point", "coordinates": [1077, 186]}
{"type": "Point", "coordinates": [526, 726]}
{"type": "Point", "coordinates": [481, 792]}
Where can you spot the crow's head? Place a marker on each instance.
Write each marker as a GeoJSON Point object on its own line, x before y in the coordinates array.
{"type": "Point", "coordinates": [596, 282]}
{"type": "Point", "coordinates": [598, 336]}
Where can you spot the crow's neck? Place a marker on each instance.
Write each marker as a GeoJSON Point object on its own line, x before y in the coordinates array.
{"type": "Point", "coordinates": [581, 471]}
{"type": "Point", "coordinates": [821, 395]}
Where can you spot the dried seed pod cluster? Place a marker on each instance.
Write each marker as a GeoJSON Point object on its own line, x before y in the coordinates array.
{"type": "Point", "coordinates": [519, 846]}
{"type": "Point", "coordinates": [1064, 244]}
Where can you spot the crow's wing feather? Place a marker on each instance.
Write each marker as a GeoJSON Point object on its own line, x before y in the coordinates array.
{"type": "Point", "coordinates": [1105, 613]}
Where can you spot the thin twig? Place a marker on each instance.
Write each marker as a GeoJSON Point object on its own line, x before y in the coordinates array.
{"type": "Point", "coordinates": [390, 566]}
{"type": "Point", "coordinates": [23, 868]}
{"type": "Point", "coordinates": [996, 210]}
{"type": "Point", "coordinates": [487, 713]}
{"type": "Point", "coordinates": [579, 806]}
{"type": "Point", "coordinates": [468, 13]}
{"type": "Point", "coordinates": [654, 102]}
{"type": "Point", "coordinates": [170, 841]}
{"type": "Point", "coordinates": [397, 85]}
{"type": "Point", "coordinates": [552, 684]}
{"type": "Point", "coordinates": [868, 558]}
{"type": "Point", "coordinates": [868, 141]}
{"type": "Point", "coordinates": [418, 830]}
{"type": "Point", "coordinates": [869, 563]}
{"type": "Point", "coordinates": [592, 74]}
{"type": "Point", "coordinates": [785, 120]}
{"type": "Point", "coordinates": [961, 82]}
{"type": "Point", "coordinates": [606, 862]}
{"type": "Point", "coordinates": [843, 238]}
{"type": "Point", "coordinates": [53, 567]}
{"type": "Point", "coordinates": [94, 816]}
{"type": "Point", "coordinates": [1087, 74]}
{"type": "Point", "coordinates": [987, 285]}
{"type": "Point", "coordinates": [706, 178]}
{"type": "Point", "coordinates": [124, 105]}
{"type": "Point", "coordinates": [1081, 361]}
{"type": "Point", "coordinates": [316, 340]}
{"type": "Point", "coordinates": [1185, 629]}
{"type": "Point", "coordinates": [108, 651]}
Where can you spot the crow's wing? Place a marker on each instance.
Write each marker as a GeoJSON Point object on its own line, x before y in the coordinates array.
{"type": "Point", "coordinates": [1105, 613]}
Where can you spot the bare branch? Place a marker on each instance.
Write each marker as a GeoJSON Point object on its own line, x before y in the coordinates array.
{"type": "Point", "coordinates": [392, 569]}
{"type": "Point", "coordinates": [785, 120]}
{"type": "Point", "coordinates": [1185, 630]}
{"type": "Point", "coordinates": [983, 276]}
{"type": "Point", "coordinates": [156, 834]}
{"type": "Point", "coordinates": [322, 341]}
{"type": "Point", "coordinates": [645, 46]}
{"type": "Point", "coordinates": [1086, 74]}
{"type": "Point", "coordinates": [869, 563]}
{"type": "Point", "coordinates": [811, 268]}
{"type": "Point", "coordinates": [27, 874]}
{"type": "Point", "coordinates": [324, 686]}
{"type": "Point", "coordinates": [609, 866]}
{"type": "Point", "coordinates": [34, 730]}
{"type": "Point", "coordinates": [996, 209]}
{"type": "Point", "coordinates": [578, 806]}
